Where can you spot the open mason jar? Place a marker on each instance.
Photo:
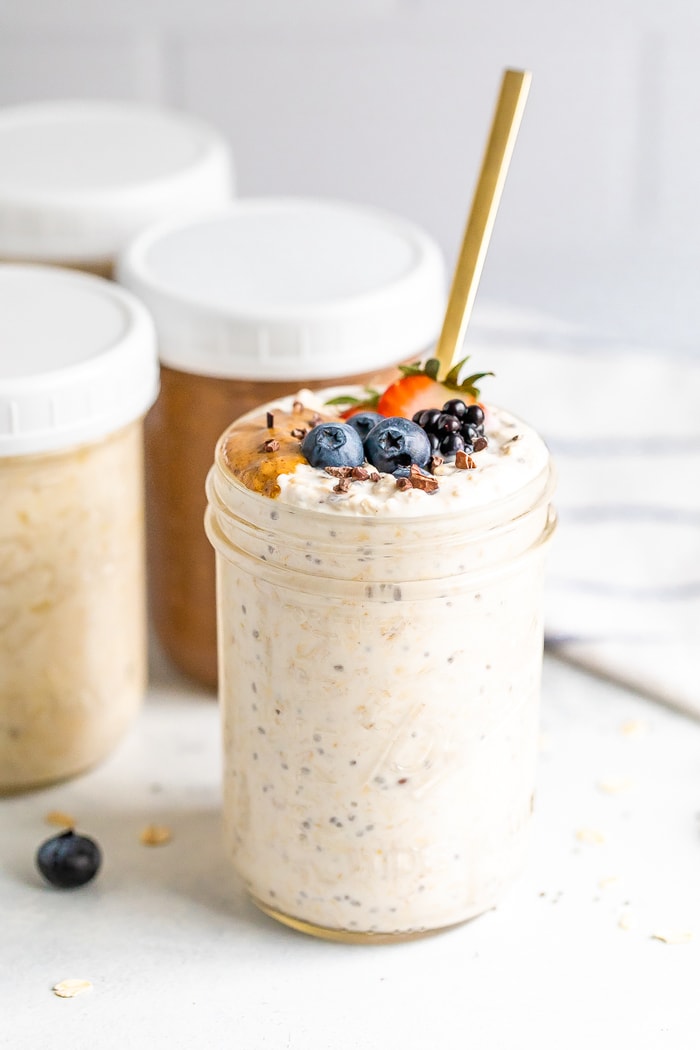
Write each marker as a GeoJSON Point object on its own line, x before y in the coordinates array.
{"type": "Point", "coordinates": [379, 682]}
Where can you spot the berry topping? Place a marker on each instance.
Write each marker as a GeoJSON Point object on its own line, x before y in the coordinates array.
{"type": "Point", "coordinates": [395, 443]}
{"type": "Point", "coordinates": [333, 445]}
{"type": "Point", "coordinates": [363, 422]}
{"type": "Point", "coordinates": [69, 860]}
{"type": "Point", "coordinates": [418, 390]}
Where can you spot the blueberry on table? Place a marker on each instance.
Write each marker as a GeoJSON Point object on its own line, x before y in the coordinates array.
{"type": "Point", "coordinates": [69, 860]}
{"type": "Point", "coordinates": [364, 421]}
{"type": "Point", "coordinates": [397, 442]}
{"type": "Point", "coordinates": [333, 445]}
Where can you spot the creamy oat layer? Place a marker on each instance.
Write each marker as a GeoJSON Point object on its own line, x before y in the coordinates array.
{"type": "Point", "coordinates": [72, 647]}
{"type": "Point", "coordinates": [514, 456]}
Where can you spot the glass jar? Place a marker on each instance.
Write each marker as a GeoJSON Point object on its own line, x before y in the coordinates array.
{"type": "Point", "coordinates": [379, 693]}
{"type": "Point", "coordinates": [77, 373]}
{"type": "Point", "coordinates": [79, 178]}
{"type": "Point", "coordinates": [249, 303]}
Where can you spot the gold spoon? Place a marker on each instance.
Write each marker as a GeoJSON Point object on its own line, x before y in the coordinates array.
{"type": "Point", "coordinates": [494, 168]}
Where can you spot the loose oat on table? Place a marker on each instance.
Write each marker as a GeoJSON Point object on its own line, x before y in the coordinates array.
{"type": "Point", "coordinates": [58, 819]}
{"type": "Point", "coordinates": [155, 835]}
{"type": "Point", "coordinates": [673, 936]}
{"type": "Point", "coordinates": [615, 786]}
{"type": "Point", "coordinates": [634, 727]}
{"type": "Point", "coordinates": [71, 987]}
{"type": "Point", "coordinates": [590, 836]}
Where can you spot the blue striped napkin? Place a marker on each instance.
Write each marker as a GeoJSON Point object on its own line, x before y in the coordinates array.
{"type": "Point", "coordinates": [623, 424]}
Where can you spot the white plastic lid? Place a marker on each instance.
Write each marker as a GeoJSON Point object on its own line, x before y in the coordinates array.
{"type": "Point", "coordinates": [288, 289]}
{"type": "Point", "coordinates": [79, 179]}
{"type": "Point", "coordinates": [78, 359]}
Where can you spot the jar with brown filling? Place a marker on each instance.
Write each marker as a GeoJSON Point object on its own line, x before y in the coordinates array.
{"type": "Point", "coordinates": [251, 303]}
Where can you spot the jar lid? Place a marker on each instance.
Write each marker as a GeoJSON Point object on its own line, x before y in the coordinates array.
{"type": "Point", "coordinates": [78, 179]}
{"type": "Point", "coordinates": [288, 289]}
{"type": "Point", "coordinates": [78, 359]}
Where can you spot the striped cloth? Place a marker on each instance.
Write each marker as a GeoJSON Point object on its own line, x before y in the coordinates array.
{"type": "Point", "coordinates": [623, 424]}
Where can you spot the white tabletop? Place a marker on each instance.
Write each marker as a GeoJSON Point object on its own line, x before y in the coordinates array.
{"type": "Point", "coordinates": [178, 957]}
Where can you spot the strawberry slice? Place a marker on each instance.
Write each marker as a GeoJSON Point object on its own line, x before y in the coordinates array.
{"type": "Point", "coordinates": [418, 388]}
{"type": "Point", "coordinates": [410, 394]}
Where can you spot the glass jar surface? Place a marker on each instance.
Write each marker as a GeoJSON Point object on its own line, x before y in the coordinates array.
{"type": "Point", "coordinates": [72, 606]}
{"type": "Point", "coordinates": [379, 685]}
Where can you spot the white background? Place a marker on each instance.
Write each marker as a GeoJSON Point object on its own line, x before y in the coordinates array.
{"type": "Point", "coordinates": [389, 102]}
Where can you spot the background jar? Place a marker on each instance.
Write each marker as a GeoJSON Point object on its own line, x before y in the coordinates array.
{"type": "Point", "coordinates": [79, 178]}
{"type": "Point", "coordinates": [251, 303]}
{"type": "Point", "coordinates": [78, 370]}
{"type": "Point", "coordinates": [380, 699]}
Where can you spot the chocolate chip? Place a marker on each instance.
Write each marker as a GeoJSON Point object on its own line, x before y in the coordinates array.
{"type": "Point", "coordinates": [271, 445]}
{"type": "Point", "coordinates": [270, 420]}
{"type": "Point", "coordinates": [299, 432]}
{"type": "Point", "coordinates": [359, 474]}
{"type": "Point", "coordinates": [421, 481]}
{"type": "Point", "coordinates": [342, 486]}
{"type": "Point", "coordinates": [403, 484]}
{"type": "Point", "coordinates": [339, 472]}
{"type": "Point", "coordinates": [463, 461]}
{"type": "Point", "coordinates": [480, 444]}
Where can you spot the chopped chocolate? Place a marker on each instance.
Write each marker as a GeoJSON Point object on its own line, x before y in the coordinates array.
{"type": "Point", "coordinates": [374, 476]}
{"type": "Point", "coordinates": [464, 462]}
{"type": "Point", "coordinates": [403, 483]}
{"type": "Point", "coordinates": [271, 445]}
{"type": "Point", "coordinates": [339, 472]}
{"type": "Point", "coordinates": [480, 443]}
{"type": "Point", "coordinates": [421, 481]}
{"type": "Point", "coordinates": [270, 420]}
{"type": "Point", "coordinates": [316, 418]}
{"type": "Point", "coordinates": [297, 407]}
{"type": "Point", "coordinates": [360, 474]}
{"type": "Point", "coordinates": [436, 462]}
{"type": "Point", "coordinates": [299, 432]}
{"type": "Point", "coordinates": [343, 485]}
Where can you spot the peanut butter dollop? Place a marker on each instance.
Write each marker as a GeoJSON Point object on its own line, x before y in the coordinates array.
{"type": "Point", "coordinates": [257, 454]}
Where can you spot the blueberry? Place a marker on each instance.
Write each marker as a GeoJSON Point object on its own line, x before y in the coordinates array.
{"type": "Point", "coordinates": [434, 443]}
{"type": "Point", "coordinates": [333, 445]}
{"type": "Point", "coordinates": [69, 860]}
{"type": "Point", "coordinates": [364, 421]}
{"type": "Point", "coordinates": [452, 443]}
{"type": "Point", "coordinates": [474, 415]}
{"type": "Point", "coordinates": [455, 407]}
{"type": "Point", "coordinates": [396, 443]}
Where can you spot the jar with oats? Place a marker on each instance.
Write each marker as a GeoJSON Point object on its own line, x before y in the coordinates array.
{"type": "Point", "coordinates": [78, 370]}
{"type": "Point", "coordinates": [79, 178]}
{"type": "Point", "coordinates": [381, 650]}
{"type": "Point", "coordinates": [250, 303]}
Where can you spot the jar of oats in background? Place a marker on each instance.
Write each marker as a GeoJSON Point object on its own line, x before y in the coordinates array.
{"type": "Point", "coordinates": [251, 303]}
{"type": "Point", "coordinates": [79, 178]}
{"type": "Point", "coordinates": [78, 370]}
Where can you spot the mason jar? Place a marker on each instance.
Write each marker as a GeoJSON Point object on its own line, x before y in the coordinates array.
{"type": "Point", "coordinates": [379, 683]}
{"type": "Point", "coordinates": [78, 371]}
{"type": "Point", "coordinates": [78, 179]}
{"type": "Point", "coordinates": [251, 302]}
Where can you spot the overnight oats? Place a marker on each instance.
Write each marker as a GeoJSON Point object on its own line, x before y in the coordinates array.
{"type": "Point", "coordinates": [78, 377]}
{"type": "Point", "coordinates": [380, 641]}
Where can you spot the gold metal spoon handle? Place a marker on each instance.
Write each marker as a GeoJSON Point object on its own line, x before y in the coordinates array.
{"type": "Point", "coordinates": [494, 168]}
